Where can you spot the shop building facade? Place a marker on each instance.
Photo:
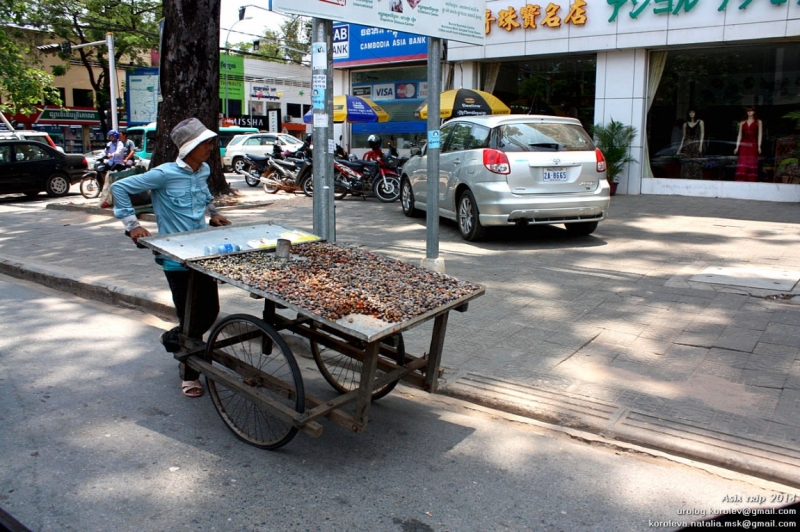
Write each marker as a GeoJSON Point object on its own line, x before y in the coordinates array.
{"type": "Point", "coordinates": [647, 64]}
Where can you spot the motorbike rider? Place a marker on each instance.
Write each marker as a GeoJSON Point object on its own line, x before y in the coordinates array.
{"type": "Point", "coordinates": [116, 151]}
{"type": "Point", "coordinates": [375, 152]}
{"type": "Point", "coordinates": [130, 147]}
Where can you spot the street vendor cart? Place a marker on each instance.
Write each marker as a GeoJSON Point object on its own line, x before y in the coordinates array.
{"type": "Point", "coordinates": [352, 306]}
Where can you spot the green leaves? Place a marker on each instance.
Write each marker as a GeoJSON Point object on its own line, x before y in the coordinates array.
{"type": "Point", "coordinates": [614, 140]}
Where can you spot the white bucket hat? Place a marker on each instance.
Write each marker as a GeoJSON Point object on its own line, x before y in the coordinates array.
{"type": "Point", "coordinates": [189, 134]}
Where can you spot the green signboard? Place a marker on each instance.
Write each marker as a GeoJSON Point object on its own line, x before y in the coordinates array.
{"type": "Point", "coordinates": [231, 71]}
{"type": "Point", "coordinates": [68, 115]}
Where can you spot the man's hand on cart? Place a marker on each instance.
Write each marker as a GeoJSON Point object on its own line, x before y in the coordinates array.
{"type": "Point", "coordinates": [136, 233]}
{"type": "Point", "coordinates": [218, 220]}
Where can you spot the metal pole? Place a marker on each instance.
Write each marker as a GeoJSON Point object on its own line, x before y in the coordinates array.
{"type": "Point", "coordinates": [321, 80]}
{"type": "Point", "coordinates": [112, 80]}
{"type": "Point", "coordinates": [227, 58]}
{"type": "Point", "coordinates": [432, 260]}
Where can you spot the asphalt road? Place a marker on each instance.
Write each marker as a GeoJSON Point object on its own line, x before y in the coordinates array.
{"type": "Point", "coordinates": [95, 436]}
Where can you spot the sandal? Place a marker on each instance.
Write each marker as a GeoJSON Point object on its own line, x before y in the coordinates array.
{"type": "Point", "coordinates": [192, 388]}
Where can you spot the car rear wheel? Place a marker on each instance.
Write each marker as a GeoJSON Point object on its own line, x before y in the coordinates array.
{"type": "Point", "coordinates": [407, 199]}
{"type": "Point", "coordinates": [468, 218]}
{"type": "Point", "coordinates": [57, 185]}
{"type": "Point", "coordinates": [581, 229]}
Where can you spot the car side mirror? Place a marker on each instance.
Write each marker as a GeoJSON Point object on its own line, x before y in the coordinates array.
{"type": "Point", "coordinates": [416, 151]}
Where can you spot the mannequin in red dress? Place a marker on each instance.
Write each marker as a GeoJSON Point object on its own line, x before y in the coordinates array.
{"type": "Point", "coordinates": [748, 146]}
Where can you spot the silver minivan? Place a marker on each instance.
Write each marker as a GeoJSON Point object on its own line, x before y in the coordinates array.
{"type": "Point", "coordinates": [507, 170]}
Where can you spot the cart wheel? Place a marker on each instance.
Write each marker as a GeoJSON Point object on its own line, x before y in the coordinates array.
{"type": "Point", "coordinates": [253, 353]}
{"type": "Point", "coordinates": [344, 372]}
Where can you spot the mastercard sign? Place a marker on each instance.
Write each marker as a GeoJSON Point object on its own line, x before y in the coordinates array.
{"type": "Point", "coordinates": [405, 91]}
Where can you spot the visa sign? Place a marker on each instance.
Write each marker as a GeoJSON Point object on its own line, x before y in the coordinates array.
{"type": "Point", "coordinates": [341, 42]}
{"type": "Point", "coordinates": [384, 91]}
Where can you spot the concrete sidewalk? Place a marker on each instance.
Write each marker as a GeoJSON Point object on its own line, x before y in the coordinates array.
{"type": "Point", "coordinates": [675, 326]}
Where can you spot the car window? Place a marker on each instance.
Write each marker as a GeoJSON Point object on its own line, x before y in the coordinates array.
{"type": "Point", "coordinates": [479, 138]}
{"type": "Point", "coordinates": [536, 136]}
{"type": "Point", "coordinates": [253, 141]}
{"type": "Point", "coordinates": [31, 152]}
{"type": "Point", "coordinates": [136, 137]}
{"type": "Point", "coordinates": [5, 154]}
{"type": "Point", "coordinates": [288, 139]}
{"type": "Point", "coordinates": [459, 139]}
{"type": "Point", "coordinates": [238, 139]}
{"type": "Point", "coordinates": [267, 140]}
{"type": "Point", "coordinates": [151, 140]}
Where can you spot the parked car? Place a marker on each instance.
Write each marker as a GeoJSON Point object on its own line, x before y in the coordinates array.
{"type": "Point", "coordinates": [508, 170]}
{"type": "Point", "coordinates": [256, 144]}
{"type": "Point", "coordinates": [30, 134]}
{"type": "Point", "coordinates": [30, 167]}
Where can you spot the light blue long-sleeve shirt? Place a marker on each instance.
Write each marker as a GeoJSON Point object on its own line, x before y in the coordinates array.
{"type": "Point", "coordinates": [179, 195]}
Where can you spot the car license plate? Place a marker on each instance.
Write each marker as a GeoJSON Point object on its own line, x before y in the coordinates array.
{"type": "Point", "coordinates": [554, 174]}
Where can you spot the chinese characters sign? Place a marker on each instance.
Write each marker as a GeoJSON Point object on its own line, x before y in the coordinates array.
{"type": "Point", "coordinates": [526, 18]}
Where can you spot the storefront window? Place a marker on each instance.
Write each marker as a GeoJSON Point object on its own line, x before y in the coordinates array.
{"type": "Point", "coordinates": [399, 91]}
{"type": "Point", "coordinates": [561, 87]}
{"type": "Point", "coordinates": [718, 86]}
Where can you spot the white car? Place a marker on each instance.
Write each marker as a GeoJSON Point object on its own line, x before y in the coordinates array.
{"type": "Point", "coordinates": [507, 170]}
{"type": "Point", "coordinates": [256, 144]}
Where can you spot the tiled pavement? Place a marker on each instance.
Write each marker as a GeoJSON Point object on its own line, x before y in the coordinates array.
{"type": "Point", "coordinates": [616, 333]}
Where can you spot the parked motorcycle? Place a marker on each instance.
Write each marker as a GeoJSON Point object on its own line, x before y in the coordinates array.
{"type": "Point", "coordinates": [366, 178]}
{"type": "Point", "coordinates": [289, 173]}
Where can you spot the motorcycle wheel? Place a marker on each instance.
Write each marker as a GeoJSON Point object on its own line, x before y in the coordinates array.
{"type": "Point", "coordinates": [307, 186]}
{"type": "Point", "coordinates": [387, 190]}
{"type": "Point", "coordinates": [251, 181]}
{"type": "Point", "coordinates": [270, 188]}
{"type": "Point", "coordinates": [90, 187]}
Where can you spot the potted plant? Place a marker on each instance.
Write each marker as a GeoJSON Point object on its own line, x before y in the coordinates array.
{"type": "Point", "coordinates": [614, 140]}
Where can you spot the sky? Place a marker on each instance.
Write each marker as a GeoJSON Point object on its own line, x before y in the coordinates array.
{"type": "Point", "coordinates": [262, 19]}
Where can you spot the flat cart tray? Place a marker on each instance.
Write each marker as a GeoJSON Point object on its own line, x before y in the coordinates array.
{"type": "Point", "coordinates": [354, 303]}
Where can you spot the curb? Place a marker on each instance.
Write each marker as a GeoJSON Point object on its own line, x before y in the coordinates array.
{"type": "Point", "coordinates": [617, 422]}
{"type": "Point", "coordinates": [86, 286]}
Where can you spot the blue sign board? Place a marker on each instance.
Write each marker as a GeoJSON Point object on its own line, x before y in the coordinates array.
{"type": "Point", "coordinates": [355, 45]}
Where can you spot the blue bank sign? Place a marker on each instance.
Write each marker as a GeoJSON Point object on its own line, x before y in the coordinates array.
{"type": "Point", "coordinates": [355, 45]}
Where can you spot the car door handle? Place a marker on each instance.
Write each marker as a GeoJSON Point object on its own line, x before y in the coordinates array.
{"type": "Point", "coordinates": [457, 161]}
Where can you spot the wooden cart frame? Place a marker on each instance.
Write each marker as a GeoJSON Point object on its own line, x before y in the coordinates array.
{"type": "Point", "coordinates": [252, 375]}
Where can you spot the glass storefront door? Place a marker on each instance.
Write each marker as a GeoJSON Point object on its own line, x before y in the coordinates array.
{"type": "Point", "coordinates": [718, 85]}
{"type": "Point", "coordinates": [560, 87]}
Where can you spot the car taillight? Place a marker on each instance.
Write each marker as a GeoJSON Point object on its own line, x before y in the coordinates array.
{"type": "Point", "coordinates": [496, 161]}
{"type": "Point", "coordinates": [601, 161]}
{"type": "Point", "coordinates": [85, 162]}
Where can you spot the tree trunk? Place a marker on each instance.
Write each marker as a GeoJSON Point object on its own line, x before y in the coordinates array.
{"type": "Point", "coordinates": [190, 79]}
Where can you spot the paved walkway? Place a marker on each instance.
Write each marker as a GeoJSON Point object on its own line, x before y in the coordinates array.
{"type": "Point", "coordinates": [675, 326]}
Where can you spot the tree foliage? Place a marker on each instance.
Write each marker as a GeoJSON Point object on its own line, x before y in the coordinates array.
{"type": "Point", "coordinates": [290, 44]}
{"type": "Point", "coordinates": [23, 84]}
{"type": "Point", "coordinates": [134, 24]}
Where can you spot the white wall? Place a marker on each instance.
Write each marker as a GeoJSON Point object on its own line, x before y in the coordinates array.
{"type": "Point", "coordinates": [702, 24]}
{"type": "Point", "coordinates": [621, 94]}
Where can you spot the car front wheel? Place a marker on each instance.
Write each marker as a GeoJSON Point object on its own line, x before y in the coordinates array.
{"type": "Point", "coordinates": [57, 185]}
{"type": "Point", "coordinates": [468, 218]}
{"type": "Point", "coordinates": [581, 229]}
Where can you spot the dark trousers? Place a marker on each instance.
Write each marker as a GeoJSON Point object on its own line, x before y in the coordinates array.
{"type": "Point", "coordinates": [205, 308]}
